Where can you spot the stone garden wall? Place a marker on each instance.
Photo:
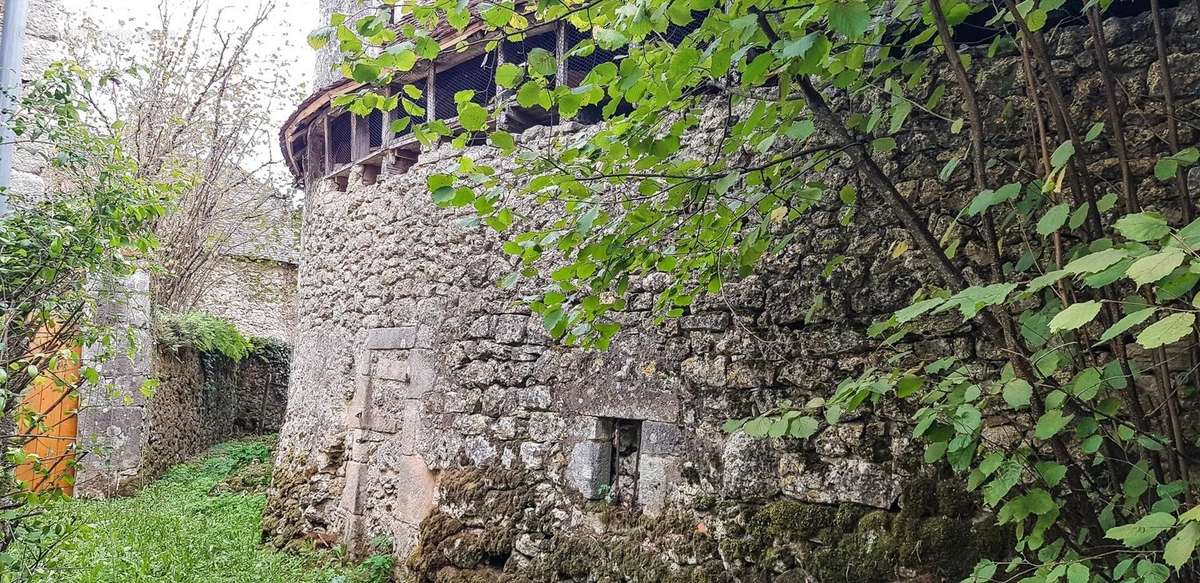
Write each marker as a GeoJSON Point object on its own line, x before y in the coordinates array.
{"type": "Point", "coordinates": [428, 407]}
{"type": "Point", "coordinates": [155, 407]}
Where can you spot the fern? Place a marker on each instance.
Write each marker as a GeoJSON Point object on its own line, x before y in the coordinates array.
{"type": "Point", "coordinates": [203, 332]}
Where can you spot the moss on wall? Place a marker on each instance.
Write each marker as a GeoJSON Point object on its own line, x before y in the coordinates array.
{"type": "Point", "coordinates": [930, 534]}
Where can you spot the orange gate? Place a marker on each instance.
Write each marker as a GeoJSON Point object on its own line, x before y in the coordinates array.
{"type": "Point", "coordinates": [51, 403]}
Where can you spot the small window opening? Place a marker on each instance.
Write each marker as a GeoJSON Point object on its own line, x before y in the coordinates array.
{"type": "Point", "coordinates": [400, 112]}
{"type": "Point", "coordinates": [315, 163]}
{"type": "Point", "coordinates": [400, 160]}
{"type": "Point", "coordinates": [340, 141]}
{"type": "Point", "coordinates": [370, 173]}
{"type": "Point", "coordinates": [375, 129]}
{"type": "Point", "coordinates": [477, 74]}
{"type": "Point", "coordinates": [300, 154]}
{"type": "Point", "coordinates": [578, 66]}
{"type": "Point", "coordinates": [340, 183]}
{"type": "Point", "coordinates": [623, 473]}
{"type": "Point", "coordinates": [516, 118]}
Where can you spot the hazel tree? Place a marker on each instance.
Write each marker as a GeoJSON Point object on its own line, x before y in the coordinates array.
{"type": "Point", "coordinates": [1088, 295]}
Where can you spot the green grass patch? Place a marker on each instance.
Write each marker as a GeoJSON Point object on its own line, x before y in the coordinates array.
{"type": "Point", "coordinates": [183, 528]}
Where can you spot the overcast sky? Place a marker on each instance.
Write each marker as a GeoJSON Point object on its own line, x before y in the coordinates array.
{"type": "Point", "coordinates": [286, 30]}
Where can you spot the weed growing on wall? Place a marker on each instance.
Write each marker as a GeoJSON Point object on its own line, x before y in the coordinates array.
{"type": "Point", "coordinates": [203, 332]}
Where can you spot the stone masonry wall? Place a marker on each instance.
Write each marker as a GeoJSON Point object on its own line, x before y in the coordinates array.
{"type": "Point", "coordinates": [427, 405]}
{"type": "Point", "coordinates": [256, 295]}
{"type": "Point", "coordinates": [128, 436]}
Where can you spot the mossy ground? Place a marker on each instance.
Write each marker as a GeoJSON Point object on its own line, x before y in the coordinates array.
{"type": "Point", "coordinates": [200, 523]}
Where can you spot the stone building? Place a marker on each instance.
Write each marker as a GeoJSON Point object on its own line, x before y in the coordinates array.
{"type": "Point", "coordinates": [428, 407]}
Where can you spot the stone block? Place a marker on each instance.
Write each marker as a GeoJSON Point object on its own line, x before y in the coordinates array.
{"type": "Point", "coordinates": [510, 328]}
{"type": "Point", "coordinates": [545, 427]}
{"type": "Point", "coordinates": [356, 412]}
{"type": "Point", "coordinates": [710, 322]}
{"type": "Point", "coordinates": [352, 499]}
{"type": "Point", "coordinates": [586, 427]}
{"type": "Point", "coordinates": [661, 439]}
{"type": "Point", "coordinates": [839, 481]}
{"type": "Point", "coordinates": [533, 455]}
{"type": "Point", "coordinates": [113, 437]}
{"type": "Point", "coordinates": [589, 468]}
{"type": "Point", "coordinates": [422, 370]}
{"type": "Point", "coordinates": [396, 369]}
{"type": "Point", "coordinates": [749, 467]}
{"type": "Point", "coordinates": [657, 478]}
{"type": "Point", "coordinates": [397, 338]}
{"type": "Point", "coordinates": [704, 370]}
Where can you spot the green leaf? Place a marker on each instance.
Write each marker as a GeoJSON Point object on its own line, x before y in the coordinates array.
{"type": "Point", "coordinates": [508, 74]}
{"type": "Point", "coordinates": [542, 61]}
{"type": "Point", "coordinates": [1017, 393]}
{"type": "Point", "coordinates": [472, 116]}
{"type": "Point", "coordinates": [1167, 330]}
{"type": "Point", "coordinates": [503, 140]}
{"type": "Point", "coordinates": [1075, 316]}
{"type": "Point", "coordinates": [1078, 573]}
{"type": "Point", "coordinates": [1143, 531]}
{"type": "Point", "coordinates": [1181, 546]}
{"type": "Point", "coordinates": [1166, 169]}
{"type": "Point", "coordinates": [1086, 383]}
{"type": "Point", "coordinates": [1062, 154]}
{"type": "Point", "coordinates": [1145, 226]}
{"type": "Point", "coordinates": [803, 427]}
{"type": "Point", "coordinates": [1036, 19]}
{"type": "Point", "coordinates": [990, 198]}
{"type": "Point", "coordinates": [849, 18]}
{"type": "Point", "coordinates": [917, 309]}
{"type": "Point", "coordinates": [883, 145]}
{"type": "Point", "coordinates": [1050, 423]}
{"type": "Point", "coordinates": [1124, 324]}
{"type": "Point", "coordinates": [1152, 268]}
{"type": "Point", "coordinates": [1096, 262]}
{"type": "Point", "coordinates": [1053, 219]}
{"type": "Point", "coordinates": [1094, 132]}
{"type": "Point", "coordinates": [364, 72]}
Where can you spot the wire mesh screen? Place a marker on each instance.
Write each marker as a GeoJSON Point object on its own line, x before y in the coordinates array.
{"type": "Point", "coordinates": [299, 154]}
{"type": "Point", "coordinates": [340, 140]}
{"type": "Point", "coordinates": [578, 66]}
{"type": "Point", "coordinates": [400, 112]}
{"type": "Point", "coordinates": [375, 129]}
{"type": "Point", "coordinates": [676, 33]}
{"type": "Point", "coordinates": [477, 74]}
{"type": "Point", "coordinates": [518, 51]}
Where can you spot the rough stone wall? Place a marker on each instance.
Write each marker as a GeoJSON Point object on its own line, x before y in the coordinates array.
{"type": "Point", "coordinates": [198, 400]}
{"type": "Point", "coordinates": [113, 414]}
{"type": "Point", "coordinates": [426, 405]}
{"type": "Point", "coordinates": [256, 295]}
{"type": "Point", "coordinates": [204, 399]}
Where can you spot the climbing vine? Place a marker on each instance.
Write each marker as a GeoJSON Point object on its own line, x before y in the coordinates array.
{"type": "Point", "coordinates": [1082, 283]}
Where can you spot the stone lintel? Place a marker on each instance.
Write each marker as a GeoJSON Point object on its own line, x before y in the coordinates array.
{"type": "Point", "coordinates": [397, 338]}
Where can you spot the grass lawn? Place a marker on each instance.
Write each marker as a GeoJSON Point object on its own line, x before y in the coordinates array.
{"type": "Point", "coordinates": [176, 531]}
